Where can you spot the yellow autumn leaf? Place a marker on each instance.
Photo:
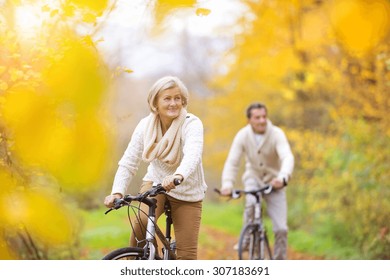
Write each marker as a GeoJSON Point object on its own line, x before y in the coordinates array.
{"type": "Point", "coordinates": [95, 6]}
{"type": "Point", "coordinates": [88, 41]}
{"type": "Point", "coordinates": [202, 12]}
{"type": "Point", "coordinates": [45, 8]}
{"type": "Point", "coordinates": [163, 8]}
{"type": "Point", "coordinates": [68, 9]}
{"type": "Point", "coordinates": [127, 70]}
{"type": "Point", "coordinates": [89, 17]}
{"type": "Point", "coordinates": [53, 13]}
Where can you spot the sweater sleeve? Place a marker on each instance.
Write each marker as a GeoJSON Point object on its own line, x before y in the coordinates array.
{"type": "Point", "coordinates": [192, 148]}
{"type": "Point", "coordinates": [232, 163]}
{"type": "Point", "coordinates": [128, 164]}
{"type": "Point", "coordinates": [286, 157]}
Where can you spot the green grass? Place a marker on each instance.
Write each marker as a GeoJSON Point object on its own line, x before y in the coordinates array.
{"type": "Point", "coordinates": [102, 233]}
{"type": "Point", "coordinates": [321, 246]}
{"type": "Point", "coordinates": [224, 216]}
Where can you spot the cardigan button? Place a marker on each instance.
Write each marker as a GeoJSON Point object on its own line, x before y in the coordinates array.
{"type": "Point", "coordinates": [261, 164]}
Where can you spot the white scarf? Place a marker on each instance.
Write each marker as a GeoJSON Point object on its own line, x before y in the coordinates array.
{"type": "Point", "coordinates": [163, 147]}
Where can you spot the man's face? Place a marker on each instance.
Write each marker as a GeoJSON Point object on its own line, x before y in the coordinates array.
{"type": "Point", "coordinates": [258, 120]}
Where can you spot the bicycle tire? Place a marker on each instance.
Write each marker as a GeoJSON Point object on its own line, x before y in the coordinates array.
{"type": "Point", "coordinates": [247, 233]}
{"type": "Point", "coordinates": [127, 253]}
{"type": "Point", "coordinates": [258, 248]}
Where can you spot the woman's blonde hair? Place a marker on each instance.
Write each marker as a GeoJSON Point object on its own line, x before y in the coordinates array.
{"type": "Point", "coordinates": [162, 84]}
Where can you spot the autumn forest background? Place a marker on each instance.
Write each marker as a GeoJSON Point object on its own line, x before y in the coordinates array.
{"type": "Point", "coordinates": [74, 77]}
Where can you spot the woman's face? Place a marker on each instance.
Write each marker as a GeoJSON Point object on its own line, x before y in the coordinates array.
{"type": "Point", "coordinates": [169, 103]}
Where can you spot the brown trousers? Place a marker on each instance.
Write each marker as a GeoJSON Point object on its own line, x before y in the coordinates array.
{"type": "Point", "coordinates": [186, 218]}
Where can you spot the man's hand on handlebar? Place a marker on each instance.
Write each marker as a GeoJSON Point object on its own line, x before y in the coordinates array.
{"type": "Point", "coordinates": [226, 192]}
{"type": "Point", "coordinates": [277, 183]}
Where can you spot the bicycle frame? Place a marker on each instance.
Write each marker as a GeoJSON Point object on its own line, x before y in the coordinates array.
{"type": "Point", "coordinates": [257, 220]}
{"type": "Point", "coordinates": [152, 229]}
{"type": "Point", "coordinates": [257, 223]}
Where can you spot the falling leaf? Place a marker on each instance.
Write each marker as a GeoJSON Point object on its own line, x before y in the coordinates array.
{"type": "Point", "coordinates": [202, 12]}
{"type": "Point", "coordinates": [45, 8]}
{"type": "Point", "coordinates": [127, 70]}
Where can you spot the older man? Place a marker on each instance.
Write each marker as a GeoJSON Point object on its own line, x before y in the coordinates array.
{"type": "Point", "coordinates": [269, 160]}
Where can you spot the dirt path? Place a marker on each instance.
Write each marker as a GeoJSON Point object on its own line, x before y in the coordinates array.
{"type": "Point", "coordinates": [217, 245]}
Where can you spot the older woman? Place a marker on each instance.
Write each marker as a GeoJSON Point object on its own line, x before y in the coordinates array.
{"type": "Point", "coordinates": [171, 141]}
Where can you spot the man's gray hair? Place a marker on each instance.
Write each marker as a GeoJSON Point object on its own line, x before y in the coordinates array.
{"type": "Point", "coordinates": [255, 105]}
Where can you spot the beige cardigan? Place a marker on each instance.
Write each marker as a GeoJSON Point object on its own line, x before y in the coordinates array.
{"type": "Point", "coordinates": [271, 158]}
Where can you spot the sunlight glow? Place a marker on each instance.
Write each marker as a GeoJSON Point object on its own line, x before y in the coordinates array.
{"type": "Point", "coordinates": [28, 20]}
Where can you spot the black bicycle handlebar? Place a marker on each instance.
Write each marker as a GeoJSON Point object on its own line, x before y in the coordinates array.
{"type": "Point", "coordinates": [237, 193]}
{"type": "Point", "coordinates": [176, 182]}
{"type": "Point", "coordinates": [142, 197]}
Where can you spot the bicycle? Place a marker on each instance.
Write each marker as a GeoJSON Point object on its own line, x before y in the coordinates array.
{"type": "Point", "coordinates": [258, 247]}
{"type": "Point", "coordinates": [148, 252]}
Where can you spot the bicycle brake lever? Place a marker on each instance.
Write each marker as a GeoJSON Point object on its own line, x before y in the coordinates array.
{"type": "Point", "coordinates": [268, 190]}
{"type": "Point", "coordinates": [235, 195]}
{"type": "Point", "coordinates": [118, 203]}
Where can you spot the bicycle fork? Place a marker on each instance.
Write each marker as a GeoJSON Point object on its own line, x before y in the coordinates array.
{"type": "Point", "coordinates": [152, 230]}
{"type": "Point", "coordinates": [260, 242]}
{"type": "Point", "coordinates": [150, 233]}
{"type": "Point", "coordinates": [168, 237]}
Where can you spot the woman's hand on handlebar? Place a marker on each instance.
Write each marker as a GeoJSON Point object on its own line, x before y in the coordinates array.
{"type": "Point", "coordinates": [170, 182]}
{"type": "Point", "coordinates": [109, 200]}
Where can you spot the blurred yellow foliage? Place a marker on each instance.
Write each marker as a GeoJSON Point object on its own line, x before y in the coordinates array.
{"type": "Point", "coordinates": [54, 138]}
{"type": "Point", "coordinates": [42, 214]}
{"type": "Point", "coordinates": [360, 25]}
{"type": "Point", "coordinates": [95, 5]}
{"type": "Point", "coordinates": [57, 127]}
{"type": "Point", "coordinates": [89, 9]}
{"type": "Point", "coordinates": [69, 81]}
{"type": "Point", "coordinates": [164, 8]}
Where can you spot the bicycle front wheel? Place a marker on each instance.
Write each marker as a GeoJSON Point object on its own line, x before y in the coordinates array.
{"type": "Point", "coordinates": [246, 244]}
{"type": "Point", "coordinates": [128, 253]}
{"type": "Point", "coordinates": [253, 244]}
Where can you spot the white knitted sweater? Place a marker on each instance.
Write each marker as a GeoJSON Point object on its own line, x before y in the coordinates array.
{"type": "Point", "coordinates": [269, 159]}
{"type": "Point", "coordinates": [192, 188]}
